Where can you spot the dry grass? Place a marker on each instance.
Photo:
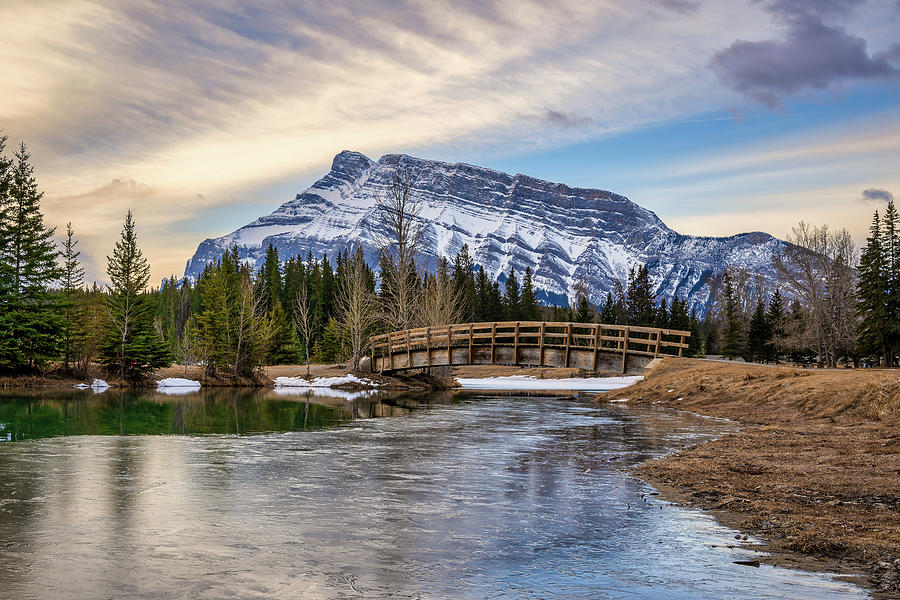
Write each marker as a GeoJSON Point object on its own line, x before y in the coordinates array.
{"type": "Point", "coordinates": [816, 469]}
{"type": "Point", "coordinates": [877, 398]}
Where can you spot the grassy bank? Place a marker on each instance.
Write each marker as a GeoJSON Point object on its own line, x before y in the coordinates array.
{"type": "Point", "coordinates": [815, 470]}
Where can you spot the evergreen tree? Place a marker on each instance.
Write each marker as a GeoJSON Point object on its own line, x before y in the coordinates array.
{"type": "Point", "coordinates": [483, 312]}
{"type": "Point", "coordinates": [329, 348]}
{"type": "Point", "coordinates": [495, 303]}
{"type": "Point", "coordinates": [464, 284]}
{"type": "Point", "coordinates": [269, 280]}
{"type": "Point", "coordinates": [695, 345]}
{"type": "Point", "coordinates": [530, 311]}
{"type": "Point", "coordinates": [733, 335]}
{"type": "Point", "coordinates": [776, 318]}
{"type": "Point", "coordinates": [713, 341]}
{"type": "Point", "coordinates": [609, 313]}
{"type": "Point", "coordinates": [134, 349]}
{"type": "Point", "coordinates": [890, 243]}
{"type": "Point", "coordinates": [584, 313]}
{"type": "Point", "coordinates": [511, 301]}
{"type": "Point", "coordinates": [72, 284]}
{"type": "Point", "coordinates": [678, 317]}
{"type": "Point", "coordinates": [760, 334]}
{"type": "Point", "coordinates": [31, 325]}
{"type": "Point", "coordinates": [662, 315]}
{"type": "Point", "coordinates": [283, 348]}
{"type": "Point", "coordinates": [640, 309]}
{"type": "Point", "coordinates": [872, 286]}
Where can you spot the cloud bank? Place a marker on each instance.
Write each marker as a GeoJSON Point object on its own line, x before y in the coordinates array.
{"type": "Point", "coordinates": [811, 55]}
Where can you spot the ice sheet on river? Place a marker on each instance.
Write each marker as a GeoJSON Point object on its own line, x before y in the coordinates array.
{"type": "Point", "coordinates": [530, 382]}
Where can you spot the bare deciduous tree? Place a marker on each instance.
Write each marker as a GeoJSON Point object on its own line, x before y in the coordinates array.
{"type": "Point", "coordinates": [356, 304]}
{"type": "Point", "coordinates": [303, 320]}
{"type": "Point", "coordinates": [402, 241]}
{"type": "Point", "coordinates": [441, 303]}
{"type": "Point", "coordinates": [817, 268]}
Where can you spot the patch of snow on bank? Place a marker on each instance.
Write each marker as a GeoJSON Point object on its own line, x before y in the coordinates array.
{"type": "Point", "coordinates": [530, 382]}
{"type": "Point", "coordinates": [177, 382]}
{"type": "Point", "coordinates": [322, 382]}
{"type": "Point", "coordinates": [99, 384]}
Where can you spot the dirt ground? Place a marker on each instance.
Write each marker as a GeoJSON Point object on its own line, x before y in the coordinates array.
{"type": "Point", "coordinates": [815, 470]}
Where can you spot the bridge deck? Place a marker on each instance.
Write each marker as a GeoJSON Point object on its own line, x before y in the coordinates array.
{"type": "Point", "coordinates": [591, 346]}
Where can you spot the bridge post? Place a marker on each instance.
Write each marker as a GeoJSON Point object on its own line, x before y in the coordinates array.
{"type": "Point", "coordinates": [450, 344]}
{"type": "Point", "coordinates": [428, 344]}
{"type": "Point", "coordinates": [596, 345]}
{"type": "Point", "coordinates": [471, 334]}
{"type": "Point", "coordinates": [658, 340]}
{"type": "Point", "coordinates": [408, 350]}
{"type": "Point", "coordinates": [680, 349]}
{"type": "Point", "coordinates": [516, 346]}
{"type": "Point", "coordinates": [493, 339]}
{"type": "Point", "coordinates": [541, 351]}
{"type": "Point", "coordinates": [391, 349]}
{"type": "Point", "coordinates": [625, 349]}
{"type": "Point", "coordinates": [568, 342]}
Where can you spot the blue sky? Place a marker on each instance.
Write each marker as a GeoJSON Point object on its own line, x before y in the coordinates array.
{"type": "Point", "coordinates": [722, 117]}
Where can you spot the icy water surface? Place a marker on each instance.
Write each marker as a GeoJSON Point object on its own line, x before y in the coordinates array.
{"type": "Point", "coordinates": [469, 496]}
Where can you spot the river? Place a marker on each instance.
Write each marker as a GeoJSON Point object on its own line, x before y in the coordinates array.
{"type": "Point", "coordinates": [247, 494]}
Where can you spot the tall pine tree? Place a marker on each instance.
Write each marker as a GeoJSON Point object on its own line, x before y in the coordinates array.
{"type": "Point", "coordinates": [640, 297]}
{"type": "Point", "coordinates": [32, 322]}
{"type": "Point", "coordinates": [72, 284]}
{"type": "Point", "coordinates": [759, 334]}
{"type": "Point", "coordinates": [527, 300]}
{"type": "Point", "coordinates": [134, 349]}
{"type": "Point", "coordinates": [511, 300]}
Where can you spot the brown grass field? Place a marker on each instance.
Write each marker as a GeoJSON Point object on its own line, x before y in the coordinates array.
{"type": "Point", "coordinates": [815, 469]}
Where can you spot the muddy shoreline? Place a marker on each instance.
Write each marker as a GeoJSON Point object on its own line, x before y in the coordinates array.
{"type": "Point", "coordinates": [814, 473]}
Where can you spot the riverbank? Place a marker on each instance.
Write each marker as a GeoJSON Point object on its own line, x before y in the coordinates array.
{"type": "Point", "coordinates": [814, 471]}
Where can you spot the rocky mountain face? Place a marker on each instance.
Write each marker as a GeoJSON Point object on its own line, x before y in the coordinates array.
{"type": "Point", "coordinates": [564, 234]}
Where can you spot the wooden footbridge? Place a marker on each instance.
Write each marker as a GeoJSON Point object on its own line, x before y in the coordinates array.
{"type": "Point", "coordinates": [590, 346]}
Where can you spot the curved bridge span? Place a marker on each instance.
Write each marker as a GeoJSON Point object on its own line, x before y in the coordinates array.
{"type": "Point", "coordinates": [590, 346]}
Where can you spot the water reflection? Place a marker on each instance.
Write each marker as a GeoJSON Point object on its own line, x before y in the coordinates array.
{"type": "Point", "coordinates": [30, 414]}
{"type": "Point", "coordinates": [463, 497]}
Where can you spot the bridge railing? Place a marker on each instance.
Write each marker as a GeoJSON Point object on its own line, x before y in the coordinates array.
{"type": "Point", "coordinates": [626, 339]}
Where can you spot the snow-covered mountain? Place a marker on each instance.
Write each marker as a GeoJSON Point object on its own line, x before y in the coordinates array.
{"type": "Point", "coordinates": [564, 234]}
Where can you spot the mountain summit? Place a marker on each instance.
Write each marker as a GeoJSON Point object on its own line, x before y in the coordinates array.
{"type": "Point", "coordinates": [564, 234]}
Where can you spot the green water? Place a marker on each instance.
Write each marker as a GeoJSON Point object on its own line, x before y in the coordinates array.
{"type": "Point", "coordinates": [30, 414]}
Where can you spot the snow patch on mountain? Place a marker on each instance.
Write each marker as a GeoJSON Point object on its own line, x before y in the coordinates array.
{"type": "Point", "coordinates": [564, 234]}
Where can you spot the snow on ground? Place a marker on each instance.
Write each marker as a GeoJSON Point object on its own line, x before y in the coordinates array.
{"type": "Point", "coordinates": [529, 382]}
{"type": "Point", "coordinates": [177, 382]}
{"type": "Point", "coordinates": [322, 382]}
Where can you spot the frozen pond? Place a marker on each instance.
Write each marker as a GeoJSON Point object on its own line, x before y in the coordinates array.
{"type": "Point", "coordinates": [464, 496]}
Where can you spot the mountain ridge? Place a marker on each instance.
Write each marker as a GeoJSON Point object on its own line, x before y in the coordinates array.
{"type": "Point", "coordinates": [565, 234]}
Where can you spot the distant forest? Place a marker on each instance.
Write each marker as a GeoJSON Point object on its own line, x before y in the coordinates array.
{"type": "Point", "coordinates": [831, 304]}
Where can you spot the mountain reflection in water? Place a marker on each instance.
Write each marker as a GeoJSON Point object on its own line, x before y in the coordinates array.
{"type": "Point", "coordinates": [440, 496]}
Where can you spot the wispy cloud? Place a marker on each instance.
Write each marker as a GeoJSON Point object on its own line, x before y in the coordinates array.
{"type": "Point", "coordinates": [213, 102]}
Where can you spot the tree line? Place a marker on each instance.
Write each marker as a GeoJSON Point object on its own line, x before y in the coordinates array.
{"type": "Point", "coordinates": [234, 319]}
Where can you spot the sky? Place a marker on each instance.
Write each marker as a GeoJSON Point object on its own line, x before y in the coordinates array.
{"type": "Point", "coordinates": [721, 116]}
